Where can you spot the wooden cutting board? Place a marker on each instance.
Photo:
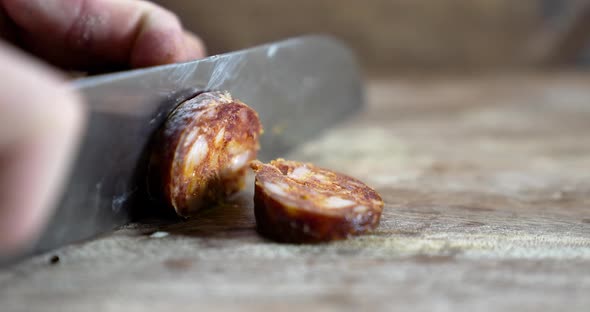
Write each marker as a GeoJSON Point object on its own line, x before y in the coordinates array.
{"type": "Point", "coordinates": [486, 183]}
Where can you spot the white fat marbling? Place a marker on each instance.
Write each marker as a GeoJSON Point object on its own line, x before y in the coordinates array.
{"type": "Point", "coordinates": [337, 202]}
{"type": "Point", "coordinates": [238, 162]}
{"type": "Point", "coordinates": [300, 173]}
{"type": "Point", "coordinates": [198, 151]}
{"type": "Point", "coordinates": [278, 189]}
{"type": "Point", "coordinates": [219, 136]}
{"type": "Point", "coordinates": [360, 209]}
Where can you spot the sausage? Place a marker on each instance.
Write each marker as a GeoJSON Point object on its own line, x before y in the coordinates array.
{"type": "Point", "coordinates": [297, 202]}
{"type": "Point", "coordinates": [202, 152]}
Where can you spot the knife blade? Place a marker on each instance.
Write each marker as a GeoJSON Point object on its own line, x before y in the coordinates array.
{"type": "Point", "coordinates": [298, 86]}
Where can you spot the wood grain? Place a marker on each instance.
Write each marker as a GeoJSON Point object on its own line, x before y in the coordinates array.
{"type": "Point", "coordinates": [487, 189]}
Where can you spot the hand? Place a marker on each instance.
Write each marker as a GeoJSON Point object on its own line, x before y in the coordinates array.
{"type": "Point", "coordinates": [40, 117]}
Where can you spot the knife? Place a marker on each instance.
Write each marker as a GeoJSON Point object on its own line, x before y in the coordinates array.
{"type": "Point", "coordinates": [298, 86]}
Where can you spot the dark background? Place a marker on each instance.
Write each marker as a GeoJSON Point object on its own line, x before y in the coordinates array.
{"type": "Point", "coordinates": [392, 36]}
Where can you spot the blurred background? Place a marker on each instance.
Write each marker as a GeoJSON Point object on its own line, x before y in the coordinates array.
{"type": "Point", "coordinates": [401, 36]}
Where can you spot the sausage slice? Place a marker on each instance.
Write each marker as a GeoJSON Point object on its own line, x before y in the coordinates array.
{"type": "Point", "coordinates": [202, 152]}
{"type": "Point", "coordinates": [297, 202]}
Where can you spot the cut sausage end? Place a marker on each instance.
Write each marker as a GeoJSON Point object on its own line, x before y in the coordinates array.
{"type": "Point", "coordinates": [201, 154]}
{"type": "Point", "coordinates": [297, 202]}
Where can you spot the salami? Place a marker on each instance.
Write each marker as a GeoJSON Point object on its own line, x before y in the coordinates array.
{"type": "Point", "coordinates": [299, 203]}
{"type": "Point", "coordinates": [202, 153]}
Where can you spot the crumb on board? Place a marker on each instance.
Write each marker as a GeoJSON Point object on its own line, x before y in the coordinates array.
{"type": "Point", "coordinates": [159, 234]}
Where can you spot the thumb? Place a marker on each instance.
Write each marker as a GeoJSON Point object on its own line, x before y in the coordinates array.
{"type": "Point", "coordinates": [40, 122]}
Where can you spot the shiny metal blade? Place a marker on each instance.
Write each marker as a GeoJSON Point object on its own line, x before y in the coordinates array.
{"type": "Point", "coordinates": [298, 86]}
